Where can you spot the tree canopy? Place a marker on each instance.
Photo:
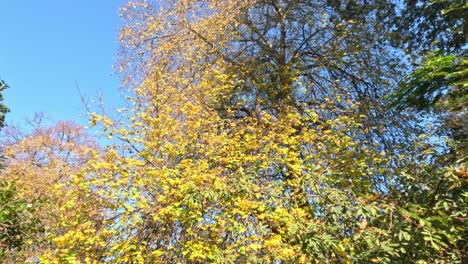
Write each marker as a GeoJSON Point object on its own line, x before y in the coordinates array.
{"type": "Point", "coordinates": [258, 132]}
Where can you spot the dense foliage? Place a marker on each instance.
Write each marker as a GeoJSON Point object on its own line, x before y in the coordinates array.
{"type": "Point", "coordinates": [17, 221]}
{"type": "Point", "coordinates": [258, 132]}
{"type": "Point", "coordinates": [39, 163]}
{"type": "Point", "coordinates": [439, 82]}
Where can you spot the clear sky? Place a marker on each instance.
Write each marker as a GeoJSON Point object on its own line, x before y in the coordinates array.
{"type": "Point", "coordinates": [48, 46]}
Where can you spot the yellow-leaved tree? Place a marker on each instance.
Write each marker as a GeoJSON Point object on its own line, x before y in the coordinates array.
{"type": "Point", "coordinates": [256, 132]}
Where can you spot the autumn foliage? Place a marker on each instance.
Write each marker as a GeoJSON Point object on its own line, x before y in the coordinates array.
{"type": "Point", "coordinates": [255, 132]}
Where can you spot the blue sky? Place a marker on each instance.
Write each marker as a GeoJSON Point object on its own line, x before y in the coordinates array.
{"type": "Point", "coordinates": [48, 46]}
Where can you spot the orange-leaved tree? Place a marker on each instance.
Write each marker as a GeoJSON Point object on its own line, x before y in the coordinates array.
{"type": "Point", "coordinates": [42, 159]}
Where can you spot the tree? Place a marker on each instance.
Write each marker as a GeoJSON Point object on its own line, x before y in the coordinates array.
{"type": "Point", "coordinates": [436, 30]}
{"type": "Point", "coordinates": [17, 222]}
{"type": "Point", "coordinates": [3, 108]}
{"type": "Point", "coordinates": [40, 160]}
{"type": "Point", "coordinates": [259, 131]}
